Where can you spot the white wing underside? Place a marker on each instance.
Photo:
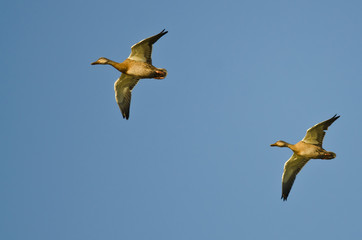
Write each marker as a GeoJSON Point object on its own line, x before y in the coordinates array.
{"type": "Point", "coordinates": [315, 134]}
{"type": "Point", "coordinates": [291, 168]}
{"type": "Point", "coordinates": [123, 89]}
{"type": "Point", "coordinates": [142, 51]}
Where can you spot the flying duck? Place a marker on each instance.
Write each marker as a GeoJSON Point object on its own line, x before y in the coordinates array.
{"type": "Point", "coordinates": [137, 66]}
{"type": "Point", "coordinates": [309, 148]}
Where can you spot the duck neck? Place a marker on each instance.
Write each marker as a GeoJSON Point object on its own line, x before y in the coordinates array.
{"type": "Point", "coordinates": [288, 145]}
{"type": "Point", "coordinates": [119, 66]}
{"type": "Point", "coordinates": [291, 146]}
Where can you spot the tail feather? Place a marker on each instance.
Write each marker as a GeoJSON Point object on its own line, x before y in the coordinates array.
{"type": "Point", "coordinates": [329, 155]}
{"type": "Point", "coordinates": [160, 73]}
{"type": "Point", "coordinates": [164, 71]}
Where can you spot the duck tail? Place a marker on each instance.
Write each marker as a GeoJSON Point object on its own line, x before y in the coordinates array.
{"type": "Point", "coordinates": [329, 155]}
{"type": "Point", "coordinates": [164, 71]}
{"type": "Point", "coordinates": [160, 73]}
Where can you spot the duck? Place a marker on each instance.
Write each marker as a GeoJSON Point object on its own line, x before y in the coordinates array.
{"type": "Point", "coordinates": [137, 66]}
{"type": "Point", "coordinates": [310, 147]}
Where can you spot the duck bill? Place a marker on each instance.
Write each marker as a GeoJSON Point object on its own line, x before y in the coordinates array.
{"type": "Point", "coordinates": [94, 63]}
{"type": "Point", "coordinates": [273, 145]}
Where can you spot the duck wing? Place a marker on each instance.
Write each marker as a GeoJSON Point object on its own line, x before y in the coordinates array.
{"type": "Point", "coordinates": [142, 51]}
{"type": "Point", "coordinates": [316, 133]}
{"type": "Point", "coordinates": [291, 168]}
{"type": "Point", "coordinates": [123, 88]}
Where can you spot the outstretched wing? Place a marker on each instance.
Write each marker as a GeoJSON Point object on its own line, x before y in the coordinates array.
{"type": "Point", "coordinates": [142, 51]}
{"type": "Point", "coordinates": [123, 88]}
{"type": "Point", "coordinates": [316, 133]}
{"type": "Point", "coordinates": [291, 168]}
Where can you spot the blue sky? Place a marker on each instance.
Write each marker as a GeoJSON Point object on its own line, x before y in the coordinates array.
{"type": "Point", "coordinates": [193, 161]}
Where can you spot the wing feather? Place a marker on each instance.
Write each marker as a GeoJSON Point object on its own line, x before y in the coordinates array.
{"type": "Point", "coordinates": [142, 51]}
{"type": "Point", "coordinates": [291, 168]}
{"type": "Point", "coordinates": [315, 134]}
{"type": "Point", "coordinates": [123, 89]}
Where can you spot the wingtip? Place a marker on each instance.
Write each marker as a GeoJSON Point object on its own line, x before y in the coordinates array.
{"type": "Point", "coordinates": [335, 117]}
{"type": "Point", "coordinates": [164, 31]}
{"type": "Point", "coordinates": [125, 116]}
{"type": "Point", "coordinates": [284, 197]}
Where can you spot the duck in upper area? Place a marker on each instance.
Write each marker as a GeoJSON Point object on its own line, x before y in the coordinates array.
{"type": "Point", "coordinates": [137, 66]}
{"type": "Point", "coordinates": [309, 148]}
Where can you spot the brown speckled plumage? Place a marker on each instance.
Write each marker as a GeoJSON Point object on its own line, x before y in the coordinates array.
{"type": "Point", "coordinates": [137, 66]}
{"type": "Point", "coordinates": [309, 148]}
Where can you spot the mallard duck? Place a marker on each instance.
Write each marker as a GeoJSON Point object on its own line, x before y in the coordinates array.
{"type": "Point", "coordinates": [137, 66]}
{"type": "Point", "coordinates": [309, 148]}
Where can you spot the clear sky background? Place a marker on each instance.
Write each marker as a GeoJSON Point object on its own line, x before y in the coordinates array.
{"type": "Point", "coordinates": [193, 161]}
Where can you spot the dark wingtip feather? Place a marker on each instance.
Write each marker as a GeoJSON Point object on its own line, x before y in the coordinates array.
{"type": "Point", "coordinates": [125, 115]}
{"type": "Point", "coordinates": [163, 31]}
{"type": "Point", "coordinates": [284, 197]}
{"type": "Point", "coordinates": [155, 38]}
{"type": "Point", "coordinates": [334, 118]}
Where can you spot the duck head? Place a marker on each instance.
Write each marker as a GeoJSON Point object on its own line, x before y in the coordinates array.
{"type": "Point", "coordinates": [101, 60]}
{"type": "Point", "coordinates": [279, 143]}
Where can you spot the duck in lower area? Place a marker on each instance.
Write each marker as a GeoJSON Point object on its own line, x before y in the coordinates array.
{"type": "Point", "coordinates": [137, 66]}
{"type": "Point", "coordinates": [309, 148]}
